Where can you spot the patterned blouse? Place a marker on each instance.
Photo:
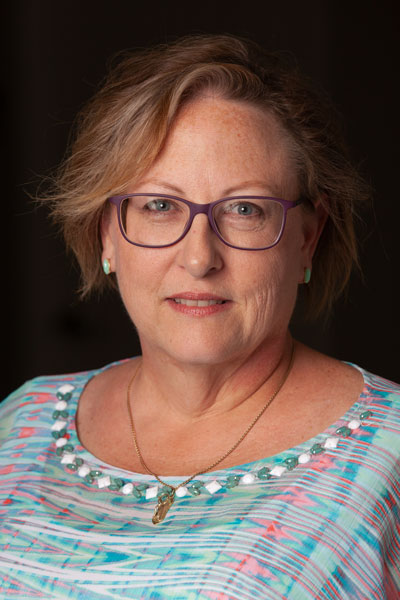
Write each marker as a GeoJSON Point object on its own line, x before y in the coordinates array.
{"type": "Point", "coordinates": [317, 521]}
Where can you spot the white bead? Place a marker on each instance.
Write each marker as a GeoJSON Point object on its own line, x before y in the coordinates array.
{"type": "Point", "coordinates": [278, 470]}
{"type": "Point", "coordinates": [353, 424]}
{"type": "Point", "coordinates": [181, 492]}
{"type": "Point", "coordinates": [61, 405]}
{"type": "Point", "coordinates": [331, 442]}
{"type": "Point", "coordinates": [127, 488]}
{"type": "Point", "coordinates": [67, 387]}
{"type": "Point", "coordinates": [304, 458]}
{"type": "Point", "coordinates": [68, 458]}
{"type": "Point", "coordinates": [247, 479]}
{"type": "Point", "coordinates": [103, 482]}
{"type": "Point", "coordinates": [213, 486]}
{"type": "Point", "coordinates": [58, 425]}
{"type": "Point", "coordinates": [151, 492]}
{"type": "Point", "coordinates": [61, 442]}
{"type": "Point", "coordinates": [83, 470]}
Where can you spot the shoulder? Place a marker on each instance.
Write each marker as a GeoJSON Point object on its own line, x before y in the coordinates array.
{"type": "Point", "coordinates": [26, 407]}
{"type": "Point", "coordinates": [380, 400]}
{"type": "Point", "coordinates": [378, 383]}
{"type": "Point", "coordinates": [380, 388]}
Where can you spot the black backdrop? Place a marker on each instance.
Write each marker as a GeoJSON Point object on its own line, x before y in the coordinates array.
{"type": "Point", "coordinates": [54, 55]}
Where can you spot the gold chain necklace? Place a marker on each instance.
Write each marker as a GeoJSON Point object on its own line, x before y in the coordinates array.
{"type": "Point", "coordinates": [166, 499]}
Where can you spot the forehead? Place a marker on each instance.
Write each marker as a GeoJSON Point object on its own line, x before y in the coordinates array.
{"type": "Point", "coordinates": [213, 142]}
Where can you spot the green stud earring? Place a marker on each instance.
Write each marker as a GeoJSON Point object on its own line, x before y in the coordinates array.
{"type": "Point", "coordinates": [307, 275]}
{"type": "Point", "coordinates": [106, 266]}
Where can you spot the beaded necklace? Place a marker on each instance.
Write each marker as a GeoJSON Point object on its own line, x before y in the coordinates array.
{"type": "Point", "coordinates": [96, 477]}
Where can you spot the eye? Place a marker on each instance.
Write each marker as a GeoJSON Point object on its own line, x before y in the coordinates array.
{"type": "Point", "coordinates": [244, 209]}
{"type": "Point", "coordinates": [159, 205]}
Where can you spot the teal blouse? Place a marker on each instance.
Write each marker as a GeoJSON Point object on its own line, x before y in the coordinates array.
{"type": "Point", "coordinates": [318, 521]}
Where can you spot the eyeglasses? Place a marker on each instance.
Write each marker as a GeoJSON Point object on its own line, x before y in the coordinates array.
{"type": "Point", "coordinates": [241, 222]}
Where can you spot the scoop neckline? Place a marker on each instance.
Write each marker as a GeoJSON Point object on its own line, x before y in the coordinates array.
{"type": "Point", "coordinates": [83, 379]}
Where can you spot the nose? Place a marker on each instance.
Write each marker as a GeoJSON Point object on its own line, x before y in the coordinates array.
{"type": "Point", "coordinates": [200, 249]}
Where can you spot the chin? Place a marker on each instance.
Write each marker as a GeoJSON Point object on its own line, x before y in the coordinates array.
{"type": "Point", "coordinates": [194, 352]}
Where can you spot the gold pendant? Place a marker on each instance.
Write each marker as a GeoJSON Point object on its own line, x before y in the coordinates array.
{"type": "Point", "coordinates": [164, 504]}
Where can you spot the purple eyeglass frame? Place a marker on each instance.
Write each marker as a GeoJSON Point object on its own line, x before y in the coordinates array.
{"type": "Point", "coordinates": [206, 209]}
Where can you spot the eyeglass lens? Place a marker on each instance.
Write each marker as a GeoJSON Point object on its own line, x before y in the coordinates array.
{"type": "Point", "coordinates": [248, 224]}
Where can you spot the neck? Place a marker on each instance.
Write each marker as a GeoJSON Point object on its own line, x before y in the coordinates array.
{"type": "Point", "coordinates": [189, 393]}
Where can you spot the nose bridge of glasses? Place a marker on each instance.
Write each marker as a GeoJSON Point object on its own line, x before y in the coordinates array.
{"type": "Point", "coordinates": [200, 209]}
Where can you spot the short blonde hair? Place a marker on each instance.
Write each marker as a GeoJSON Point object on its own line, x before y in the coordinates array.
{"type": "Point", "coordinates": [122, 129]}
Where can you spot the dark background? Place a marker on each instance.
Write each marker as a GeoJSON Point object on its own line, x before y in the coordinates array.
{"type": "Point", "coordinates": [54, 56]}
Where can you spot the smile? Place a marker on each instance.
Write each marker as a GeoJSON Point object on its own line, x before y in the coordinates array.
{"type": "Point", "coordinates": [187, 302]}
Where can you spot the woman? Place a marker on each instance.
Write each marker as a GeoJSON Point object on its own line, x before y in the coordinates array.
{"type": "Point", "coordinates": [209, 183]}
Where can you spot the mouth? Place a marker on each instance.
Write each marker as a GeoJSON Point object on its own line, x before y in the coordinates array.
{"type": "Point", "coordinates": [198, 304]}
{"type": "Point", "coordinates": [188, 302]}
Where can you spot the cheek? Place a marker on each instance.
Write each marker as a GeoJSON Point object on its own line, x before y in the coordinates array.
{"type": "Point", "coordinates": [136, 277]}
{"type": "Point", "coordinates": [272, 286]}
{"type": "Point", "coordinates": [141, 275]}
{"type": "Point", "coordinates": [276, 270]}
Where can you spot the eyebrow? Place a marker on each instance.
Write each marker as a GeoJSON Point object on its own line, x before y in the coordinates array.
{"type": "Point", "coordinates": [226, 192]}
{"type": "Point", "coordinates": [164, 184]}
{"type": "Point", "coordinates": [252, 183]}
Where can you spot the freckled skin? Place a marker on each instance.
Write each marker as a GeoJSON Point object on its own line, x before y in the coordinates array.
{"type": "Point", "coordinates": [215, 145]}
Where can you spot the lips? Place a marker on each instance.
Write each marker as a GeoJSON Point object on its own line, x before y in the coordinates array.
{"type": "Point", "coordinates": [187, 297]}
{"type": "Point", "coordinates": [188, 302]}
{"type": "Point", "coordinates": [197, 303]}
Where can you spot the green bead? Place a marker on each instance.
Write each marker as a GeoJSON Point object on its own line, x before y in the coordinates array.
{"type": "Point", "coordinates": [142, 487]}
{"type": "Point", "coordinates": [291, 462]}
{"type": "Point", "coordinates": [95, 473]}
{"type": "Point", "coordinates": [366, 414]}
{"type": "Point", "coordinates": [68, 448]}
{"type": "Point", "coordinates": [64, 414]}
{"type": "Point", "coordinates": [79, 461]}
{"type": "Point", "coordinates": [59, 451]}
{"type": "Point", "coordinates": [72, 466]}
{"type": "Point", "coordinates": [194, 490]}
{"type": "Point", "coordinates": [232, 481]}
{"type": "Point", "coordinates": [113, 487]}
{"type": "Point", "coordinates": [89, 478]}
{"type": "Point", "coordinates": [136, 492]}
{"type": "Point", "coordinates": [67, 396]}
{"type": "Point", "coordinates": [344, 431]}
{"type": "Point", "coordinates": [118, 482]}
{"type": "Point", "coordinates": [56, 434]}
{"type": "Point", "coordinates": [316, 449]}
{"type": "Point", "coordinates": [197, 484]}
{"type": "Point", "coordinates": [55, 414]}
{"type": "Point", "coordinates": [263, 473]}
{"type": "Point", "coordinates": [234, 478]}
{"type": "Point", "coordinates": [230, 484]}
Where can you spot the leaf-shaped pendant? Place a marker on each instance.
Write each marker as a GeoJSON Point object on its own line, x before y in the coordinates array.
{"type": "Point", "coordinates": [164, 504]}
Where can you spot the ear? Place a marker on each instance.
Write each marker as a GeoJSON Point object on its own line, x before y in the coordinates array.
{"type": "Point", "coordinates": [313, 224]}
{"type": "Point", "coordinates": [107, 233]}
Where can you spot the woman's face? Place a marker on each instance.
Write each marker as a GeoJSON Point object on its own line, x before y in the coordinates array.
{"type": "Point", "coordinates": [216, 148]}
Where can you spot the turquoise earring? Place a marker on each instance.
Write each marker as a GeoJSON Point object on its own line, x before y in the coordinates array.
{"type": "Point", "coordinates": [106, 266]}
{"type": "Point", "coordinates": [307, 275]}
